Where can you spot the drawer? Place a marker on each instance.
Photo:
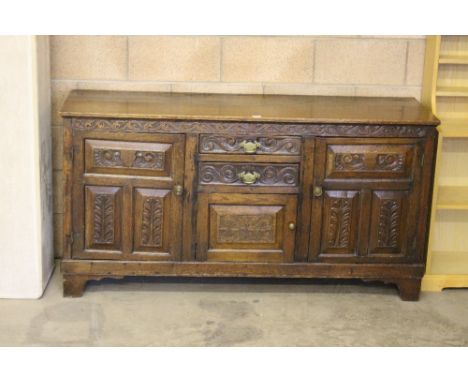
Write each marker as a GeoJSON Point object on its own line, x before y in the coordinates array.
{"type": "Point", "coordinates": [225, 144]}
{"type": "Point", "coordinates": [249, 174]}
{"type": "Point", "coordinates": [129, 158]}
{"type": "Point", "coordinates": [369, 160]}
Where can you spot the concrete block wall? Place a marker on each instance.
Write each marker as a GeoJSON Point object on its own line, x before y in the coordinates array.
{"type": "Point", "coordinates": [323, 65]}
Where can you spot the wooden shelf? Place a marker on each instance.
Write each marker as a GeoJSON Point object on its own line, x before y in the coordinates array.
{"type": "Point", "coordinates": [454, 59]}
{"type": "Point", "coordinates": [449, 263]}
{"type": "Point", "coordinates": [452, 198]}
{"type": "Point", "coordinates": [454, 128]}
{"type": "Point", "coordinates": [452, 91]}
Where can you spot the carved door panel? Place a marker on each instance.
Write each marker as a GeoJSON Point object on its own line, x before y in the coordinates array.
{"type": "Point", "coordinates": [124, 206]}
{"type": "Point", "coordinates": [246, 227]}
{"type": "Point", "coordinates": [366, 200]}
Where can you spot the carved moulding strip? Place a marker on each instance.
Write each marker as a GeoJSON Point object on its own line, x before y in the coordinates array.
{"type": "Point", "coordinates": [270, 175]}
{"type": "Point", "coordinates": [148, 126]}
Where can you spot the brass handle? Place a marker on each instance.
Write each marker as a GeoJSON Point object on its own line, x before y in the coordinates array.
{"type": "Point", "coordinates": [318, 191]}
{"type": "Point", "coordinates": [250, 147]}
{"type": "Point", "coordinates": [248, 177]}
{"type": "Point", "coordinates": [178, 190]}
{"type": "Point", "coordinates": [291, 226]}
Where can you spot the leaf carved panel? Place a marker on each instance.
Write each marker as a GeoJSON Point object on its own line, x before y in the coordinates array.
{"type": "Point", "coordinates": [103, 217]}
{"type": "Point", "coordinates": [152, 222]}
{"type": "Point", "coordinates": [340, 221]}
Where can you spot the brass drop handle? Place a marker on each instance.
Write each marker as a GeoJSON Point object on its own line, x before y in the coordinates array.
{"type": "Point", "coordinates": [178, 190]}
{"type": "Point", "coordinates": [317, 191]}
{"type": "Point", "coordinates": [249, 146]}
{"type": "Point", "coordinates": [248, 177]}
{"type": "Point", "coordinates": [291, 226]}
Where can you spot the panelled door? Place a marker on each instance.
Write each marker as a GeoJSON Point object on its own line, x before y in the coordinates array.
{"type": "Point", "coordinates": [127, 201]}
{"type": "Point", "coordinates": [365, 200]}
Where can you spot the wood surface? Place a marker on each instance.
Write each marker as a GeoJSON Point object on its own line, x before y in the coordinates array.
{"type": "Point", "coordinates": [229, 107]}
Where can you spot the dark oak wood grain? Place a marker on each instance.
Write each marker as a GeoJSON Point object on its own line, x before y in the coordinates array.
{"type": "Point", "coordinates": [246, 186]}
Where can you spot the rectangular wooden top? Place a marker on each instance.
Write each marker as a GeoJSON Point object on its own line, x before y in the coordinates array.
{"type": "Point", "coordinates": [260, 108]}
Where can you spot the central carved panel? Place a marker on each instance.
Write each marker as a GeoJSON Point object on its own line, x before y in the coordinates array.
{"type": "Point", "coordinates": [246, 228]}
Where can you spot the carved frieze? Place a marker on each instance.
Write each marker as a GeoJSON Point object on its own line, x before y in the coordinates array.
{"type": "Point", "coordinates": [268, 175]}
{"type": "Point", "coordinates": [148, 126]}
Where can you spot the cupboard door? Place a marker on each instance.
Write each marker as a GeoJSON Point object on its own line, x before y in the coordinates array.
{"type": "Point", "coordinates": [124, 204]}
{"type": "Point", "coordinates": [246, 227]}
{"type": "Point", "coordinates": [361, 218]}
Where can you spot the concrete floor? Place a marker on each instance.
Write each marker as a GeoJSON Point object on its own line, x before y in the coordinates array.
{"type": "Point", "coordinates": [178, 312]}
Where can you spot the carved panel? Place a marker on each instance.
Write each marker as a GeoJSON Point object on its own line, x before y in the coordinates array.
{"type": "Point", "coordinates": [269, 174]}
{"type": "Point", "coordinates": [339, 227]}
{"type": "Point", "coordinates": [152, 222]}
{"type": "Point", "coordinates": [246, 228]}
{"type": "Point", "coordinates": [149, 159]}
{"type": "Point", "coordinates": [340, 217]}
{"type": "Point", "coordinates": [103, 210]}
{"type": "Point", "coordinates": [389, 223]}
{"type": "Point", "coordinates": [107, 158]}
{"type": "Point", "coordinates": [266, 145]}
{"type": "Point", "coordinates": [390, 162]}
{"type": "Point", "coordinates": [154, 214]}
{"type": "Point", "coordinates": [369, 160]}
{"type": "Point", "coordinates": [145, 126]}
{"type": "Point", "coordinates": [103, 217]}
{"type": "Point", "coordinates": [128, 158]}
{"type": "Point", "coordinates": [350, 162]}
